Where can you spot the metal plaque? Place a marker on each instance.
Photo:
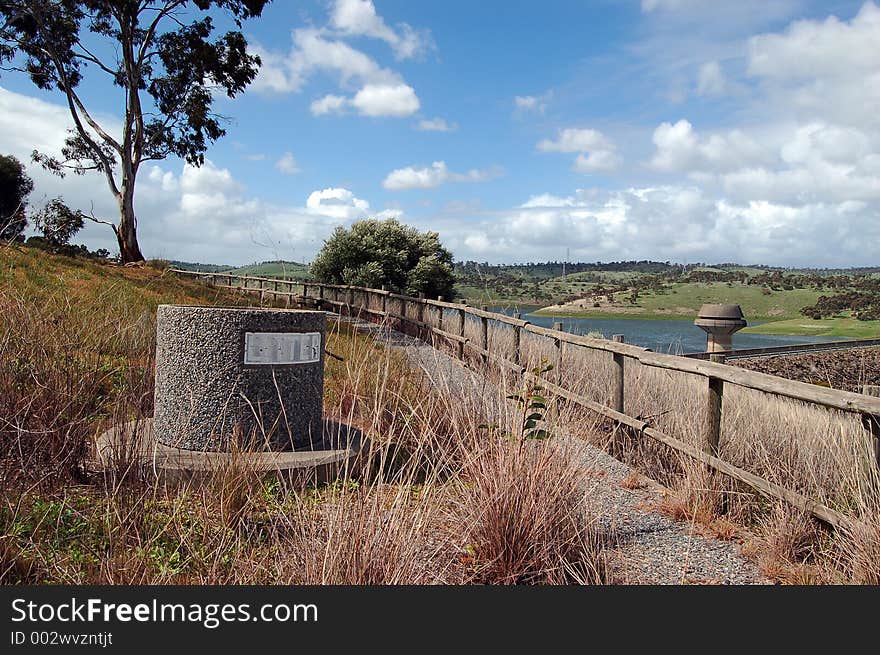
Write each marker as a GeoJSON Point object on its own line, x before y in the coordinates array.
{"type": "Point", "coordinates": [277, 348]}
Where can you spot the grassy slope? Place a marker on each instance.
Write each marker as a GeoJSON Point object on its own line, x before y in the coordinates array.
{"type": "Point", "coordinates": [834, 327]}
{"type": "Point", "coordinates": [684, 301]}
{"type": "Point", "coordinates": [275, 269]}
{"type": "Point", "coordinates": [133, 290]}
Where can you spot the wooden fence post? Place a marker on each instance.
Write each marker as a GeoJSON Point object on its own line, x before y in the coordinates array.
{"type": "Point", "coordinates": [384, 304]}
{"type": "Point", "coordinates": [484, 336]}
{"type": "Point", "coordinates": [617, 390]}
{"type": "Point", "coordinates": [349, 299]}
{"type": "Point", "coordinates": [440, 314]}
{"type": "Point", "coordinates": [557, 325]}
{"type": "Point", "coordinates": [713, 409]}
{"type": "Point", "coordinates": [872, 425]}
{"type": "Point", "coordinates": [517, 354]}
{"type": "Point", "coordinates": [420, 315]}
{"type": "Point", "coordinates": [460, 347]}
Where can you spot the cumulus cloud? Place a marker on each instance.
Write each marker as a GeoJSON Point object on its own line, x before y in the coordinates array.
{"type": "Point", "coordinates": [596, 151]}
{"type": "Point", "coordinates": [287, 164]}
{"type": "Point", "coordinates": [184, 212]}
{"type": "Point", "coordinates": [680, 149]}
{"type": "Point", "coordinates": [359, 18]}
{"type": "Point", "coordinates": [329, 104]}
{"type": "Point", "coordinates": [679, 223]}
{"type": "Point", "coordinates": [433, 176]}
{"type": "Point", "coordinates": [436, 125]}
{"type": "Point", "coordinates": [381, 91]}
{"type": "Point", "coordinates": [336, 202]}
{"type": "Point", "coordinates": [398, 100]}
{"type": "Point", "coordinates": [822, 69]}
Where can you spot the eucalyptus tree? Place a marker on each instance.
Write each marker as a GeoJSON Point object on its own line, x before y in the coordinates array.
{"type": "Point", "coordinates": [165, 58]}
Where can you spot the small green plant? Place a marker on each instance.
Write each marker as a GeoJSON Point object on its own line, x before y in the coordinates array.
{"type": "Point", "coordinates": [534, 406]}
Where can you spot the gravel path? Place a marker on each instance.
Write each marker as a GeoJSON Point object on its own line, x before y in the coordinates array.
{"type": "Point", "coordinates": [646, 547]}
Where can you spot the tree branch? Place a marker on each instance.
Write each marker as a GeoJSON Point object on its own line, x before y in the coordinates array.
{"type": "Point", "coordinates": [91, 216]}
{"type": "Point", "coordinates": [94, 124]}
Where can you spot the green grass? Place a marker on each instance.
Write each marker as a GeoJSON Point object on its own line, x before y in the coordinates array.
{"type": "Point", "coordinates": [683, 301]}
{"type": "Point", "coordinates": [130, 291]}
{"type": "Point", "coordinates": [832, 327]}
{"type": "Point", "coordinates": [291, 270]}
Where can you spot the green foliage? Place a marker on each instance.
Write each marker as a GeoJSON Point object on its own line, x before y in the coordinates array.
{"type": "Point", "coordinates": [534, 406]}
{"type": "Point", "coordinates": [374, 252]}
{"type": "Point", "coordinates": [58, 222]}
{"type": "Point", "coordinates": [15, 186]}
{"type": "Point", "coordinates": [166, 58]}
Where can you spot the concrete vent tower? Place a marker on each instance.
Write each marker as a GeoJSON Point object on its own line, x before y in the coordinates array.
{"type": "Point", "coordinates": [720, 322]}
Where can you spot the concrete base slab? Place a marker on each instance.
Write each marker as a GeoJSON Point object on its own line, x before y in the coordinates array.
{"type": "Point", "coordinates": [135, 445]}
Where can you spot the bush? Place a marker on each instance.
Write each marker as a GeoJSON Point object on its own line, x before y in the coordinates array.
{"type": "Point", "coordinates": [373, 253]}
{"type": "Point", "coordinates": [15, 186]}
{"type": "Point", "coordinates": [58, 222]}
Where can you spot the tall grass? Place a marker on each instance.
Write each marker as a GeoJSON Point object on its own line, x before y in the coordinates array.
{"type": "Point", "coordinates": [823, 454]}
{"type": "Point", "coordinates": [76, 358]}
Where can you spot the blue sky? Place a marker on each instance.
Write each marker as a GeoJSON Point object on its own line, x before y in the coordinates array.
{"type": "Point", "coordinates": [684, 130]}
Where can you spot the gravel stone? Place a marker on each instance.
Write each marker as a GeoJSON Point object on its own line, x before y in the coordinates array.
{"type": "Point", "coordinates": [644, 546]}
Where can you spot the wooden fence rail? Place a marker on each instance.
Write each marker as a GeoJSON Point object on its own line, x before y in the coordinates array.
{"type": "Point", "coordinates": [716, 374]}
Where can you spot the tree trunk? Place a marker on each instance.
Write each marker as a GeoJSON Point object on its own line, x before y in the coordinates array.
{"type": "Point", "coordinates": [126, 232]}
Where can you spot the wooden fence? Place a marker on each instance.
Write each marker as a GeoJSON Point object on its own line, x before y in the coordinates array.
{"type": "Point", "coordinates": [380, 305]}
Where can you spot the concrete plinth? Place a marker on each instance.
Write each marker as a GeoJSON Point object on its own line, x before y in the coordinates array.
{"type": "Point", "coordinates": [719, 322]}
{"type": "Point", "coordinates": [238, 378]}
{"type": "Point", "coordinates": [135, 445]}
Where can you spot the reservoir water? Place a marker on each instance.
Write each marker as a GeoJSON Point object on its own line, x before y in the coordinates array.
{"type": "Point", "coordinates": [661, 335]}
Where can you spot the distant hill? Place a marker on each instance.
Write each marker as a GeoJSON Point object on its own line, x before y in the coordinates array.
{"type": "Point", "coordinates": [195, 266]}
{"type": "Point", "coordinates": [276, 268]}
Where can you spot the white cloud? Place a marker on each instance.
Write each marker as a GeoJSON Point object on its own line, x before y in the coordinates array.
{"type": "Point", "coordinates": [433, 176]}
{"type": "Point", "coordinates": [680, 149]}
{"type": "Point", "coordinates": [598, 160]}
{"type": "Point", "coordinates": [359, 18]}
{"type": "Point", "coordinates": [822, 69]}
{"type": "Point", "coordinates": [810, 49]}
{"type": "Point", "coordinates": [337, 203]}
{"type": "Point", "coordinates": [597, 152]}
{"type": "Point", "coordinates": [194, 214]}
{"type": "Point", "coordinates": [679, 223]}
{"type": "Point", "coordinates": [536, 104]}
{"type": "Point", "coordinates": [711, 80]}
{"type": "Point", "coordinates": [436, 125]}
{"type": "Point", "coordinates": [575, 140]}
{"type": "Point", "coordinates": [380, 91]}
{"type": "Point", "coordinates": [329, 104]}
{"type": "Point", "coordinates": [287, 164]}
{"type": "Point", "coordinates": [397, 100]}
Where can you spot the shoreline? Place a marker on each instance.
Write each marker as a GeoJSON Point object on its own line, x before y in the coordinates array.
{"type": "Point", "coordinates": [840, 327]}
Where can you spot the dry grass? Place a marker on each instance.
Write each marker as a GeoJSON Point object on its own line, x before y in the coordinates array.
{"type": "Point", "coordinates": [519, 497]}
{"type": "Point", "coordinates": [76, 357]}
{"type": "Point", "coordinates": [823, 454]}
